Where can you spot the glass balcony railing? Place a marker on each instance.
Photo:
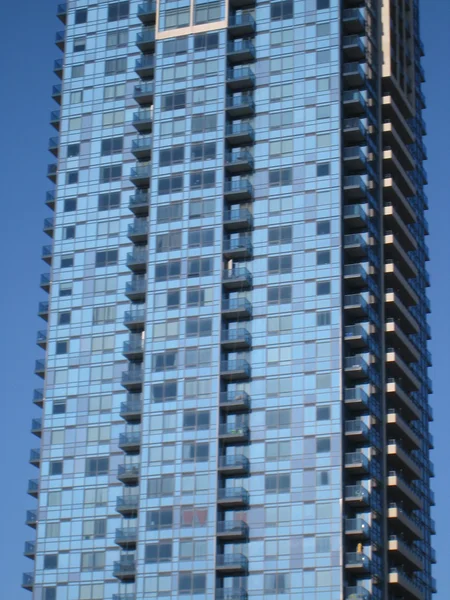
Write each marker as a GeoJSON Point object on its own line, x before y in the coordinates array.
{"type": "Point", "coordinates": [235, 527]}
{"type": "Point", "coordinates": [31, 518]}
{"type": "Point", "coordinates": [139, 256]}
{"type": "Point", "coordinates": [141, 172]}
{"type": "Point", "coordinates": [356, 458]}
{"type": "Point", "coordinates": [144, 90]}
{"type": "Point", "coordinates": [238, 494]}
{"type": "Point", "coordinates": [235, 366]}
{"type": "Point", "coordinates": [357, 559]}
{"type": "Point", "coordinates": [128, 471]}
{"type": "Point", "coordinates": [239, 159]}
{"type": "Point", "coordinates": [38, 396]}
{"type": "Point", "coordinates": [143, 142]}
{"type": "Point", "coordinates": [238, 305]}
{"type": "Point", "coordinates": [244, 47]}
{"type": "Point", "coordinates": [242, 75]}
{"type": "Point", "coordinates": [28, 580]}
{"type": "Point", "coordinates": [233, 430]}
{"type": "Point", "coordinates": [242, 19]}
{"type": "Point", "coordinates": [145, 37]}
{"type": "Point", "coordinates": [238, 186]}
{"type": "Point", "coordinates": [239, 215]}
{"type": "Point", "coordinates": [145, 64]}
{"type": "Point", "coordinates": [124, 567]}
{"type": "Point", "coordinates": [356, 426]}
{"type": "Point", "coordinates": [241, 335]}
{"type": "Point", "coordinates": [129, 439]}
{"type": "Point", "coordinates": [139, 227]}
{"type": "Point", "coordinates": [142, 116]}
{"type": "Point", "coordinates": [43, 308]}
{"type": "Point", "coordinates": [35, 455]}
{"type": "Point", "coordinates": [241, 102]}
{"type": "Point", "coordinates": [237, 273]}
{"type": "Point", "coordinates": [30, 548]}
{"type": "Point", "coordinates": [127, 503]}
{"type": "Point", "coordinates": [357, 592]}
{"type": "Point", "coordinates": [146, 10]}
{"type": "Point", "coordinates": [236, 461]}
{"type": "Point", "coordinates": [132, 376]}
{"type": "Point", "coordinates": [138, 286]}
{"type": "Point", "coordinates": [134, 316]}
{"type": "Point", "coordinates": [33, 487]}
{"type": "Point", "coordinates": [39, 366]}
{"type": "Point", "coordinates": [239, 561]}
{"type": "Point", "coordinates": [126, 535]}
{"type": "Point", "coordinates": [140, 199]}
{"type": "Point", "coordinates": [358, 524]}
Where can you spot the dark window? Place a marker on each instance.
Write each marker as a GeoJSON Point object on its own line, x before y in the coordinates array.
{"type": "Point", "coordinates": [323, 170]}
{"type": "Point", "coordinates": [279, 295]}
{"type": "Point", "coordinates": [323, 478]}
{"type": "Point", "coordinates": [279, 264]}
{"type": "Point", "coordinates": [64, 318]}
{"type": "Point", "coordinates": [97, 466]}
{"type": "Point", "coordinates": [191, 583]}
{"type": "Point", "coordinates": [62, 347]}
{"type": "Point", "coordinates": [205, 13]}
{"type": "Point", "coordinates": [280, 482]}
{"type": "Point", "coordinates": [171, 156]}
{"type": "Point", "coordinates": [282, 10]}
{"type": "Point", "coordinates": [71, 177]}
{"type": "Point", "coordinates": [112, 173]}
{"type": "Point", "coordinates": [117, 39]}
{"type": "Point", "coordinates": [69, 232]}
{"type": "Point", "coordinates": [66, 262]}
{"type": "Point", "coordinates": [65, 289]}
{"type": "Point", "coordinates": [173, 299]}
{"type": "Point", "coordinates": [323, 445]}
{"type": "Point", "coordinates": [164, 361]}
{"type": "Point", "coordinates": [280, 235]}
{"type": "Point", "coordinates": [49, 593]}
{"type": "Point", "coordinates": [59, 407]}
{"type": "Point", "coordinates": [109, 201]}
{"type": "Point", "coordinates": [50, 561]}
{"type": "Point", "coordinates": [81, 16]}
{"type": "Point", "coordinates": [198, 327]}
{"type": "Point", "coordinates": [195, 452]}
{"type": "Point", "coordinates": [56, 467]}
{"type": "Point", "coordinates": [112, 146]}
{"type": "Point", "coordinates": [323, 413]}
{"type": "Point", "coordinates": [323, 227]}
{"type": "Point", "coordinates": [280, 177]}
{"type": "Point", "coordinates": [115, 66]}
{"type": "Point", "coordinates": [79, 44]}
{"type": "Point", "coordinates": [203, 151]}
{"type": "Point", "coordinates": [159, 519]}
{"type": "Point", "coordinates": [202, 179]}
{"type": "Point", "coordinates": [168, 270]}
{"type": "Point", "coordinates": [198, 267]}
{"type": "Point", "coordinates": [201, 123]}
{"type": "Point", "coordinates": [206, 41]}
{"type": "Point", "coordinates": [198, 238]}
{"type": "Point", "coordinates": [196, 419]}
{"type": "Point", "coordinates": [173, 101]}
{"type": "Point", "coordinates": [162, 392]}
{"type": "Point", "coordinates": [167, 185]}
{"type": "Point", "coordinates": [160, 552]}
{"type": "Point", "coordinates": [323, 288]}
{"type": "Point", "coordinates": [323, 257]}
{"type": "Point", "coordinates": [176, 46]}
{"type": "Point", "coordinates": [161, 486]}
{"type": "Point", "coordinates": [165, 242]}
{"type": "Point", "coordinates": [321, 4]}
{"type": "Point", "coordinates": [169, 212]}
{"type": "Point", "coordinates": [70, 204]}
{"type": "Point", "coordinates": [118, 10]}
{"type": "Point", "coordinates": [106, 258]}
{"type": "Point", "coordinates": [323, 318]}
{"type": "Point", "coordinates": [73, 150]}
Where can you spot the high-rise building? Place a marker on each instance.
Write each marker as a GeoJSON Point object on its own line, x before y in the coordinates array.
{"type": "Point", "coordinates": [235, 399]}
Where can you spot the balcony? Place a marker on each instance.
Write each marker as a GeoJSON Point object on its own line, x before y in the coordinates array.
{"type": "Point", "coordinates": [238, 190]}
{"type": "Point", "coordinates": [135, 319]}
{"type": "Point", "coordinates": [238, 162]}
{"type": "Point", "coordinates": [39, 368]}
{"type": "Point", "coordinates": [393, 167]}
{"type": "Point", "coordinates": [354, 47]}
{"type": "Point", "coordinates": [53, 145]}
{"type": "Point", "coordinates": [393, 139]}
{"type": "Point", "coordinates": [357, 431]}
{"type": "Point", "coordinates": [125, 568]}
{"type": "Point", "coordinates": [33, 488]}
{"type": "Point", "coordinates": [236, 309]}
{"type": "Point", "coordinates": [61, 12]}
{"type": "Point", "coordinates": [130, 442]}
{"type": "Point", "coordinates": [402, 491]}
{"type": "Point", "coordinates": [354, 131]}
{"type": "Point", "coordinates": [241, 51]}
{"type": "Point", "coordinates": [144, 92]}
{"type": "Point", "coordinates": [238, 134]}
{"type": "Point", "coordinates": [393, 250]}
{"type": "Point", "coordinates": [356, 275]}
{"type": "Point", "coordinates": [141, 174]}
{"type": "Point", "coordinates": [131, 410]}
{"type": "Point", "coordinates": [134, 349]}
{"type": "Point", "coordinates": [30, 550]}
{"type": "Point", "coordinates": [399, 459]}
{"type": "Point", "coordinates": [357, 495]}
{"type": "Point", "coordinates": [52, 172]}
{"type": "Point", "coordinates": [35, 457]}
{"type": "Point", "coordinates": [60, 39]}
{"type": "Point", "coordinates": [356, 244]}
{"type": "Point", "coordinates": [234, 401]}
{"type": "Point", "coordinates": [49, 226]}
{"type": "Point", "coordinates": [235, 339]}
{"type": "Point", "coordinates": [138, 230]}
{"type": "Point", "coordinates": [139, 203]}
{"type": "Point", "coordinates": [397, 427]}
{"type": "Point", "coordinates": [241, 25]}
{"type": "Point", "coordinates": [396, 367]}
{"type": "Point", "coordinates": [233, 465]}
{"type": "Point", "coordinates": [355, 367]}
{"type": "Point", "coordinates": [357, 562]}
{"type": "Point", "coordinates": [356, 336]}
{"type": "Point", "coordinates": [38, 397]}
{"type": "Point", "coordinates": [394, 279]}
{"type": "Point", "coordinates": [393, 194]}
{"type": "Point", "coordinates": [231, 594]}
{"type": "Point", "coordinates": [145, 39]}
{"type": "Point", "coordinates": [356, 215]}
{"type": "Point", "coordinates": [240, 78]}
{"type": "Point", "coordinates": [404, 524]}
{"type": "Point", "coordinates": [235, 370]}
{"type": "Point", "coordinates": [128, 474]}
{"type": "Point", "coordinates": [126, 537]}
{"type": "Point", "coordinates": [240, 105]}
{"type": "Point", "coordinates": [357, 529]}
{"type": "Point", "coordinates": [143, 120]}
{"type": "Point", "coordinates": [356, 398]}
{"type": "Point", "coordinates": [28, 581]}
{"type": "Point", "coordinates": [145, 66]}
{"type": "Point", "coordinates": [356, 462]}
{"type": "Point", "coordinates": [136, 289]}
{"type": "Point", "coordinates": [237, 219]}
{"type": "Point", "coordinates": [353, 21]}
{"type": "Point", "coordinates": [404, 586]}
{"type": "Point", "coordinates": [232, 530]}
{"type": "Point", "coordinates": [232, 433]}
{"type": "Point", "coordinates": [133, 379]}
{"type": "Point", "coordinates": [399, 399]}
{"type": "Point", "coordinates": [354, 103]}
{"type": "Point", "coordinates": [357, 592]}
{"type": "Point", "coordinates": [355, 158]}
{"type": "Point", "coordinates": [41, 339]}
{"type": "Point", "coordinates": [237, 278]}
{"type": "Point", "coordinates": [50, 199]}
{"type": "Point", "coordinates": [141, 147]}
{"type": "Point", "coordinates": [55, 119]}
{"type": "Point", "coordinates": [127, 505]}
{"type": "Point", "coordinates": [353, 74]}
{"type": "Point", "coordinates": [58, 67]}
{"type": "Point", "coordinates": [57, 93]}
{"type": "Point", "coordinates": [45, 282]}
{"type": "Point", "coordinates": [146, 12]}
{"type": "Point", "coordinates": [402, 553]}
{"type": "Point", "coordinates": [396, 310]}
{"type": "Point", "coordinates": [231, 563]}
{"type": "Point", "coordinates": [137, 260]}
{"type": "Point", "coordinates": [232, 497]}
{"type": "Point", "coordinates": [31, 518]}
{"type": "Point", "coordinates": [354, 187]}
{"type": "Point", "coordinates": [356, 305]}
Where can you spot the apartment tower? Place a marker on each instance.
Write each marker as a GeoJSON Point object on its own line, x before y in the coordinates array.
{"type": "Point", "coordinates": [235, 390]}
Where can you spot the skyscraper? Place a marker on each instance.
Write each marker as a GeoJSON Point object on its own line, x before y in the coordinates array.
{"type": "Point", "coordinates": [235, 399]}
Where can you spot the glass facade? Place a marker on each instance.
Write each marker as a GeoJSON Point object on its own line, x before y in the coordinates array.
{"type": "Point", "coordinates": [235, 399]}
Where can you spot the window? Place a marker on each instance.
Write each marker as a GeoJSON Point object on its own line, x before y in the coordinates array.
{"type": "Point", "coordinates": [198, 327]}
{"type": "Point", "coordinates": [106, 258]}
{"type": "Point", "coordinates": [199, 297]}
{"type": "Point", "coordinates": [198, 238]}
{"type": "Point", "coordinates": [71, 177]}
{"type": "Point", "coordinates": [279, 515]}
{"type": "Point", "coordinates": [278, 419]}
{"type": "Point", "coordinates": [92, 561]}
{"type": "Point", "coordinates": [117, 11]}
{"type": "Point", "coordinates": [205, 13]}
{"type": "Point", "coordinates": [161, 486]}
{"type": "Point", "coordinates": [81, 16]}
{"type": "Point", "coordinates": [279, 295]}
{"type": "Point", "coordinates": [206, 41]}
{"type": "Point", "coordinates": [203, 123]}
{"type": "Point", "coordinates": [99, 434]}
{"type": "Point", "coordinates": [197, 357]}
{"type": "Point", "coordinates": [177, 17]}
{"type": "Point", "coordinates": [323, 444]}
{"type": "Point", "coordinates": [57, 437]}
{"type": "Point", "coordinates": [202, 179]}
{"type": "Point", "coordinates": [323, 257]}
{"type": "Point", "coordinates": [92, 591]}
{"type": "Point", "coordinates": [73, 150]}
{"type": "Point", "coordinates": [280, 235]}
{"type": "Point", "coordinates": [66, 262]}
{"type": "Point", "coordinates": [112, 119]}
{"type": "Point", "coordinates": [164, 392]}
{"type": "Point", "coordinates": [69, 232]}
{"type": "Point", "coordinates": [177, 73]}
{"type": "Point", "coordinates": [79, 44]}
{"type": "Point", "coordinates": [194, 517]}
{"type": "Point", "coordinates": [64, 318]}
{"type": "Point", "coordinates": [96, 496]}
{"type": "Point", "coordinates": [281, 119]}
{"type": "Point", "coordinates": [323, 170]}
{"type": "Point", "coordinates": [56, 467]}
{"type": "Point", "coordinates": [76, 98]}
{"type": "Point", "coordinates": [323, 227]}
{"type": "Point", "coordinates": [94, 529]}
{"type": "Point", "coordinates": [59, 407]}
{"type": "Point", "coordinates": [198, 267]}
{"type": "Point", "coordinates": [65, 289]}
{"type": "Point", "coordinates": [159, 519]}
{"type": "Point", "coordinates": [280, 450]}
{"type": "Point", "coordinates": [195, 452]}
{"type": "Point", "coordinates": [323, 478]}
{"type": "Point", "coordinates": [70, 204]}
{"type": "Point", "coordinates": [164, 361]}
{"type": "Point", "coordinates": [280, 177]}
{"type": "Point", "coordinates": [194, 484]}
{"type": "Point", "coordinates": [323, 318]}
{"type": "Point", "coordinates": [202, 208]}
{"type": "Point", "coordinates": [205, 68]}
{"type": "Point", "coordinates": [115, 66]}
{"type": "Point", "coordinates": [197, 388]}
{"type": "Point", "coordinates": [165, 242]}
{"type": "Point", "coordinates": [109, 174]}
{"type": "Point", "coordinates": [323, 140]}
{"type": "Point", "coordinates": [323, 413]}
{"type": "Point", "coordinates": [323, 381]}
{"type": "Point", "coordinates": [100, 404]}
{"type": "Point", "coordinates": [117, 39]}
{"type": "Point", "coordinates": [74, 123]}
{"type": "Point", "coordinates": [279, 325]}
{"type": "Point", "coordinates": [173, 101]}
{"type": "Point", "coordinates": [97, 466]}
{"type": "Point", "coordinates": [193, 549]}
{"type": "Point", "coordinates": [281, 10]}
{"type": "Point", "coordinates": [50, 561]}
{"type": "Point", "coordinates": [109, 201]}
{"type": "Point", "coordinates": [196, 419]}
{"type": "Point", "coordinates": [160, 552]}
{"type": "Point", "coordinates": [77, 71]}
{"type": "Point", "coordinates": [169, 212]}
{"type": "Point", "coordinates": [52, 530]}
{"type": "Point", "coordinates": [62, 347]}
{"type": "Point", "coordinates": [171, 156]}
{"type": "Point", "coordinates": [203, 151]}
{"type": "Point", "coordinates": [175, 46]}
{"type": "Point", "coordinates": [278, 483]}
{"type": "Point", "coordinates": [168, 270]}
{"type": "Point", "coordinates": [49, 593]}
{"type": "Point", "coordinates": [105, 285]}
{"type": "Point", "coordinates": [321, 4]}
{"type": "Point", "coordinates": [191, 583]}
{"type": "Point", "coordinates": [112, 146]}
{"type": "Point", "coordinates": [114, 92]}
{"type": "Point", "coordinates": [166, 329]}
{"type": "Point", "coordinates": [323, 288]}
{"type": "Point", "coordinates": [282, 91]}
{"type": "Point", "coordinates": [323, 112]}
{"type": "Point", "coordinates": [54, 498]}
{"type": "Point", "coordinates": [168, 185]}
{"type": "Point", "coordinates": [276, 583]}
{"type": "Point", "coordinates": [279, 264]}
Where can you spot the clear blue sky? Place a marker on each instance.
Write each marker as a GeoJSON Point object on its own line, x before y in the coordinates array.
{"type": "Point", "coordinates": [27, 52]}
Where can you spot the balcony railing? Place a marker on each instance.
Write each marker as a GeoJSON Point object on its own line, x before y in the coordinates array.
{"type": "Point", "coordinates": [28, 581]}
{"type": "Point", "coordinates": [235, 462]}
{"type": "Point", "coordinates": [234, 528]}
{"type": "Point", "coordinates": [128, 472]}
{"type": "Point", "coordinates": [240, 78]}
{"type": "Point", "coordinates": [357, 559]}
{"type": "Point", "coordinates": [357, 592]}
{"type": "Point", "coordinates": [237, 275]}
{"type": "Point", "coordinates": [127, 504]}
{"type": "Point", "coordinates": [356, 459]}
{"type": "Point", "coordinates": [125, 568]}
{"type": "Point", "coordinates": [236, 337]}
{"type": "Point", "coordinates": [143, 93]}
{"type": "Point", "coordinates": [242, 20]}
{"type": "Point", "coordinates": [36, 426]}
{"type": "Point", "coordinates": [237, 190]}
{"type": "Point", "coordinates": [233, 430]}
{"type": "Point", "coordinates": [126, 536]}
{"type": "Point", "coordinates": [357, 492]}
{"type": "Point", "coordinates": [357, 525]}
{"type": "Point", "coordinates": [147, 12]}
{"type": "Point", "coordinates": [31, 518]}
{"type": "Point", "coordinates": [236, 561]}
{"type": "Point", "coordinates": [240, 105]}
{"type": "Point", "coordinates": [239, 495]}
{"type": "Point", "coordinates": [235, 369]}
{"type": "Point", "coordinates": [130, 440]}
{"type": "Point", "coordinates": [237, 307]}
{"type": "Point", "coordinates": [235, 399]}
